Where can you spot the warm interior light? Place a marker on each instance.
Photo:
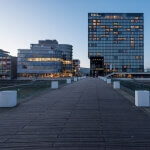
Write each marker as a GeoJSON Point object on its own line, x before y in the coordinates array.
{"type": "Point", "coordinates": [44, 59]}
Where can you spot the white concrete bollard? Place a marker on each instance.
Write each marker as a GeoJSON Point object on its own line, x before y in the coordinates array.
{"type": "Point", "coordinates": [108, 81]}
{"type": "Point", "coordinates": [68, 81]}
{"type": "Point", "coordinates": [8, 98]}
{"type": "Point", "coordinates": [105, 79]}
{"type": "Point", "coordinates": [54, 84]}
{"type": "Point", "coordinates": [142, 98]}
{"type": "Point", "coordinates": [116, 85]}
{"type": "Point", "coordinates": [79, 78]}
{"type": "Point", "coordinates": [75, 79]}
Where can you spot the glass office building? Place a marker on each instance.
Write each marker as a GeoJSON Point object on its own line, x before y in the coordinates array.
{"type": "Point", "coordinates": [76, 67]}
{"type": "Point", "coordinates": [44, 60]}
{"type": "Point", "coordinates": [8, 65]}
{"type": "Point", "coordinates": [115, 42]}
{"type": "Point", "coordinates": [67, 58]}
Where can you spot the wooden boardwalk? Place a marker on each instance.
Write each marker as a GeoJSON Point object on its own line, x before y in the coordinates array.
{"type": "Point", "coordinates": [86, 115]}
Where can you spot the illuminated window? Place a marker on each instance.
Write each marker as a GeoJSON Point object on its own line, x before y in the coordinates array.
{"type": "Point", "coordinates": [103, 27]}
{"type": "Point", "coordinates": [115, 23]}
{"type": "Point", "coordinates": [107, 17]}
{"type": "Point", "coordinates": [44, 59]}
{"type": "Point", "coordinates": [132, 27]}
{"type": "Point", "coordinates": [121, 39]}
{"type": "Point", "coordinates": [128, 29]}
{"type": "Point", "coordinates": [90, 54]}
{"type": "Point", "coordinates": [116, 33]}
{"type": "Point", "coordinates": [98, 20]}
{"type": "Point", "coordinates": [95, 39]}
{"type": "Point", "coordinates": [132, 42]}
{"type": "Point", "coordinates": [137, 57]}
{"type": "Point", "coordinates": [140, 38]}
{"type": "Point", "coordinates": [94, 20]}
{"type": "Point", "coordinates": [137, 27]}
{"type": "Point", "coordinates": [132, 21]}
{"type": "Point", "coordinates": [115, 17]}
{"type": "Point", "coordinates": [136, 18]}
{"type": "Point", "coordinates": [119, 26]}
{"type": "Point", "coordinates": [102, 35]}
{"type": "Point", "coordinates": [65, 62]}
{"type": "Point", "coordinates": [111, 30]}
{"type": "Point", "coordinates": [94, 24]}
{"type": "Point", "coordinates": [98, 24]}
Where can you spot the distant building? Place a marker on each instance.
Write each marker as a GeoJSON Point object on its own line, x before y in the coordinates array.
{"type": "Point", "coordinates": [115, 42]}
{"type": "Point", "coordinates": [147, 70]}
{"type": "Point", "coordinates": [46, 59]}
{"type": "Point", "coordinates": [76, 67]}
{"type": "Point", "coordinates": [85, 71]}
{"type": "Point", "coordinates": [8, 65]}
{"type": "Point", "coordinates": [67, 58]}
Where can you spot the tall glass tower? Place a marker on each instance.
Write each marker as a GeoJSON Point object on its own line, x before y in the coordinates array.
{"type": "Point", "coordinates": [115, 42]}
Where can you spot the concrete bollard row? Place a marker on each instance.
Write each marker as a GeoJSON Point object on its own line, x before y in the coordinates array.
{"type": "Point", "coordinates": [78, 78]}
{"type": "Point", "coordinates": [108, 81]}
{"type": "Point", "coordinates": [142, 98]}
{"type": "Point", "coordinates": [54, 84]}
{"type": "Point", "coordinates": [68, 81]}
{"type": "Point", "coordinates": [75, 79]}
{"type": "Point", "coordinates": [116, 85]}
{"type": "Point", "coordinates": [8, 98]}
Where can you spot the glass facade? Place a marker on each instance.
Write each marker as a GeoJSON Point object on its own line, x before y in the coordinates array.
{"type": "Point", "coordinates": [67, 58]}
{"type": "Point", "coordinates": [44, 60]}
{"type": "Point", "coordinates": [76, 67]}
{"type": "Point", "coordinates": [118, 40]}
{"type": "Point", "coordinates": [7, 65]}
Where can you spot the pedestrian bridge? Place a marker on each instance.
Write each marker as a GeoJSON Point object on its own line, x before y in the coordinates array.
{"type": "Point", "coordinates": [84, 115]}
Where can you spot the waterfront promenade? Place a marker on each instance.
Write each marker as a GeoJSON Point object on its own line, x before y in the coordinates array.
{"type": "Point", "coordinates": [85, 115]}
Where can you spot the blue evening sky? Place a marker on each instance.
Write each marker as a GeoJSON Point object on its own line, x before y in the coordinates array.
{"type": "Point", "coordinates": [23, 22]}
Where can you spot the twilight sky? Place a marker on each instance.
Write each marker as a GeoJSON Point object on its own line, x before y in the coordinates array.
{"type": "Point", "coordinates": [26, 21]}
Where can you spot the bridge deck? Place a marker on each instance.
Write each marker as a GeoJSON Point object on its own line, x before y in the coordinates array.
{"type": "Point", "coordinates": [86, 115]}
